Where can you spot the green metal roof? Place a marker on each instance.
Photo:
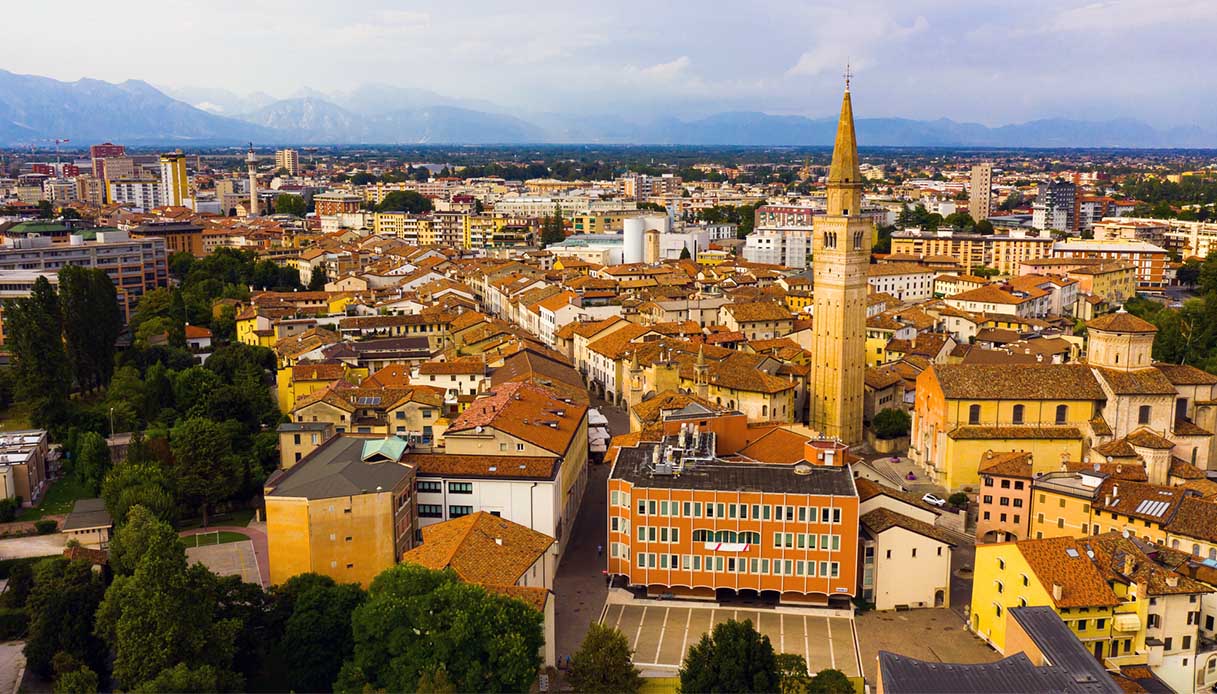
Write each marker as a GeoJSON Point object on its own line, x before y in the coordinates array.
{"type": "Point", "coordinates": [389, 448]}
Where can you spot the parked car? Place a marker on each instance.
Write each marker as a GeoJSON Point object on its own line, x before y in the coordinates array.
{"type": "Point", "coordinates": [934, 500]}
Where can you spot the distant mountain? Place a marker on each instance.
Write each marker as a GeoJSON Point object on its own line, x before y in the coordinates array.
{"type": "Point", "coordinates": [318, 121]}
{"type": "Point", "coordinates": [38, 108]}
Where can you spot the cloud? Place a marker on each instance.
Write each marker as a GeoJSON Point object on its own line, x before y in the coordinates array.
{"type": "Point", "coordinates": [841, 39]}
{"type": "Point", "coordinates": [667, 71]}
{"type": "Point", "coordinates": [385, 25]}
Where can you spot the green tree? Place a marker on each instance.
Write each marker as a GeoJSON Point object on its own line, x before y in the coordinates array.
{"type": "Point", "coordinates": [140, 530]}
{"type": "Point", "coordinates": [959, 220]}
{"type": "Point", "coordinates": [61, 604]}
{"type": "Point", "coordinates": [602, 664]}
{"type": "Point", "coordinates": [317, 279]}
{"type": "Point", "coordinates": [830, 681]}
{"type": "Point", "coordinates": [144, 484]}
{"type": "Point", "coordinates": [415, 620]}
{"type": "Point", "coordinates": [792, 673]}
{"type": "Point", "coordinates": [182, 678]}
{"type": "Point", "coordinates": [34, 337]}
{"type": "Point", "coordinates": [1189, 274]}
{"type": "Point", "coordinates": [985, 227]}
{"type": "Point", "coordinates": [405, 201]}
{"type": "Point", "coordinates": [286, 203]}
{"type": "Point", "coordinates": [317, 636]}
{"type": "Point", "coordinates": [164, 614]}
{"type": "Point", "coordinates": [552, 228]}
{"type": "Point", "coordinates": [684, 253]}
{"type": "Point", "coordinates": [91, 323]}
{"type": "Point", "coordinates": [92, 460]}
{"type": "Point", "coordinates": [73, 676]}
{"type": "Point", "coordinates": [1206, 276]}
{"type": "Point", "coordinates": [205, 465]}
{"type": "Point", "coordinates": [891, 423]}
{"type": "Point", "coordinates": [733, 658]}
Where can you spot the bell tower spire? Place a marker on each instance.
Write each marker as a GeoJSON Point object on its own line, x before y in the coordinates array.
{"type": "Point", "coordinates": [841, 244]}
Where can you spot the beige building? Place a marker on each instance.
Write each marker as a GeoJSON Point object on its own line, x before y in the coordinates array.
{"type": "Point", "coordinates": [288, 160]}
{"type": "Point", "coordinates": [907, 561]}
{"type": "Point", "coordinates": [980, 194]}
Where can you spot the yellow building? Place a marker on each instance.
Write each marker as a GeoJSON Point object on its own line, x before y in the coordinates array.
{"type": "Point", "coordinates": [415, 413]}
{"type": "Point", "coordinates": [417, 230]}
{"type": "Point", "coordinates": [175, 187]}
{"type": "Point", "coordinates": [345, 510]}
{"type": "Point", "coordinates": [798, 301]}
{"type": "Point", "coordinates": [961, 411]}
{"type": "Point", "coordinates": [602, 222]}
{"type": "Point", "coordinates": [300, 380]}
{"type": "Point", "coordinates": [1113, 595]}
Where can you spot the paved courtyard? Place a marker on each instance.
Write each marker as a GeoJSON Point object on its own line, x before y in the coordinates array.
{"type": "Point", "coordinates": [32, 546]}
{"type": "Point", "coordinates": [662, 632]}
{"type": "Point", "coordinates": [936, 635]}
{"type": "Point", "coordinates": [229, 559]}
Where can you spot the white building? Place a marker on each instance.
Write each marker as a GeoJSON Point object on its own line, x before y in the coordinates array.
{"type": "Point", "coordinates": [141, 195]}
{"type": "Point", "coordinates": [905, 281]}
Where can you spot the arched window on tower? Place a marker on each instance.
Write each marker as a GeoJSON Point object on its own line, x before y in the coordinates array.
{"type": "Point", "coordinates": [974, 414]}
{"type": "Point", "coordinates": [830, 239]}
{"type": "Point", "coordinates": [857, 240]}
{"type": "Point", "coordinates": [1018, 414]}
{"type": "Point", "coordinates": [1062, 414]}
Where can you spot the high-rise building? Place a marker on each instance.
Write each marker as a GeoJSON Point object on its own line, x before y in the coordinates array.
{"type": "Point", "coordinates": [100, 153]}
{"type": "Point", "coordinates": [175, 187]}
{"type": "Point", "coordinates": [980, 195]}
{"type": "Point", "coordinates": [1056, 206]}
{"type": "Point", "coordinates": [140, 194]}
{"type": "Point", "coordinates": [288, 160]}
{"type": "Point", "coordinates": [841, 244]}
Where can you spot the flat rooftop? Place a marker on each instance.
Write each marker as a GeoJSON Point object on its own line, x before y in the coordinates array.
{"type": "Point", "coordinates": [636, 464]}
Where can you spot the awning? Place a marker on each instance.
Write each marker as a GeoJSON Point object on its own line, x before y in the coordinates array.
{"type": "Point", "coordinates": [1127, 622]}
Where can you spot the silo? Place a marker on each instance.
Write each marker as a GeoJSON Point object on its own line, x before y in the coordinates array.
{"type": "Point", "coordinates": [632, 229]}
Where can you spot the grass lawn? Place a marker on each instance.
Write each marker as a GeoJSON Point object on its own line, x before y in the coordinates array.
{"type": "Point", "coordinates": [58, 499]}
{"type": "Point", "coordinates": [240, 518]}
{"type": "Point", "coordinates": [220, 538]}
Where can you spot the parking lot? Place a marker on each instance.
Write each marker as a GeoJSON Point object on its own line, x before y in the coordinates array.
{"type": "Point", "coordinates": [662, 632]}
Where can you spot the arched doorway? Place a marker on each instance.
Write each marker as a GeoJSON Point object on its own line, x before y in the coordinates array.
{"type": "Point", "coordinates": [939, 598]}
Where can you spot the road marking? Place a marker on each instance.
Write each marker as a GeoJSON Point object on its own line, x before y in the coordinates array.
{"type": "Point", "coordinates": [663, 627]}
{"type": "Point", "coordinates": [684, 641]}
{"type": "Point", "coordinates": [638, 633]}
{"type": "Point", "coordinates": [832, 655]}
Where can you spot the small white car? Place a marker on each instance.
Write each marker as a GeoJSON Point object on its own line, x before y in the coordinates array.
{"type": "Point", "coordinates": [934, 500]}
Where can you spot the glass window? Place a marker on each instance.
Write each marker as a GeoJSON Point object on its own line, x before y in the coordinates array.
{"type": "Point", "coordinates": [460, 487]}
{"type": "Point", "coordinates": [430, 486]}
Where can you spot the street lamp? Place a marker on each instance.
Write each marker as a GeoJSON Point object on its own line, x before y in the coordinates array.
{"type": "Point", "coordinates": [111, 422]}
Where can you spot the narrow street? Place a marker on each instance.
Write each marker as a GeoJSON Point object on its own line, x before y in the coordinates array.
{"type": "Point", "coordinates": [579, 586]}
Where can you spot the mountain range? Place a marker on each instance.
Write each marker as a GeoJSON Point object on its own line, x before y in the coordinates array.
{"type": "Point", "coordinates": [35, 110]}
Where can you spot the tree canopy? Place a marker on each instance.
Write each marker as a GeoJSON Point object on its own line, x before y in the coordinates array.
{"type": "Point", "coordinates": [602, 664]}
{"type": "Point", "coordinates": [416, 620]}
{"type": "Point", "coordinates": [405, 201]}
{"type": "Point", "coordinates": [732, 658]}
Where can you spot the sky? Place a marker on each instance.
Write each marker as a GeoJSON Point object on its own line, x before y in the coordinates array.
{"type": "Point", "coordinates": [968, 60]}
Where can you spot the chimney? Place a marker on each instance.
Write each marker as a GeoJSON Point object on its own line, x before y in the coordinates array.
{"type": "Point", "coordinates": [1057, 591]}
{"type": "Point", "coordinates": [1129, 565]}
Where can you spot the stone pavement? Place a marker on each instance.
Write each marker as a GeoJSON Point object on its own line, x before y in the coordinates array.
{"type": "Point", "coordinates": [32, 546]}
{"type": "Point", "coordinates": [12, 665]}
{"type": "Point", "coordinates": [936, 635]}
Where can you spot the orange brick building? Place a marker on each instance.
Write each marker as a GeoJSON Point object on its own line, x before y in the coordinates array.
{"type": "Point", "coordinates": [694, 515]}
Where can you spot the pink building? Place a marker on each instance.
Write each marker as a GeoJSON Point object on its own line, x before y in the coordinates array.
{"type": "Point", "coordinates": [1004, 501]}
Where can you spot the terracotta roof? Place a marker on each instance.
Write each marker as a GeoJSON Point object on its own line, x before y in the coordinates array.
{"type": "Point", "coordinates": [1018, 382]}
{"type": "Point", "coordinates": [1082, 583]}
{"type": "Point", "coordinates": [318, 371]}
{"type": "Point", "coordinates": [868, 490]}
{"type": "Point", "coordinates": [758, 311]}
{"type": "Point", "coordinates": [1119, 554]}
{"type": "Point", "coordinates": [527, 412]}
{"type": "Point", "coordinates": [1007, 464]}
{"type": "Point", "coordinates": [1147, 381]}
{"type": "Point", "coordinates": [484, 466]}
{"type": "Point", "coordinates": [1139, 500]}
{"type": "Point", "coordinates": [480, 548]}
{"type": "Point", "coordinates": [1145, 438]}
{"type": "Point", "coordinates": [778, 445]}
{"type": "Point", "coordinates": [1015, 432]}
{"type": "Point", "coordinates": [1185, 375]}
{"type": "Point", "coordinates": [650, 410]}
{"type": "Point", "coordinates": [1121, 322]}
{"type": "Point", "coordinates": [391, 376]}
{"type": "Point", "coordinates": [612, 346]}
{"type": "Point", "coordinates": [472, 365]}
{"type": "Point", "coordinates": [1184, 470]}
{"type": "Point", "coordinates": [1195, 518]}
{"type": "Point", "coordinates": [882, 519]}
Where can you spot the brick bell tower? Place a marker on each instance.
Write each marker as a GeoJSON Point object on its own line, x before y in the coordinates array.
{"type": "Point", "coordinates": [841, 245]}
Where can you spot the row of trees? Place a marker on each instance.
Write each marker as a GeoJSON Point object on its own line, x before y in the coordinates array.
{"type": "Point", "coordinates": [918, 216]}
{"type": "Point", "coordinates": [60, 339]}
{"type": "Point", "coordinates": [153, 622]}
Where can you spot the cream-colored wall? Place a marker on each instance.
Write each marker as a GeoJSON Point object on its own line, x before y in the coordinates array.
{"type": "Point", "coordinates": [907, 580]}
{"type": "Point", "coordinates": [491, 442]}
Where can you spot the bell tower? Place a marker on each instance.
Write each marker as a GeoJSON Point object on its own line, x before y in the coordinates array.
{"type": "Point", "coordinates": [841, 244]}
